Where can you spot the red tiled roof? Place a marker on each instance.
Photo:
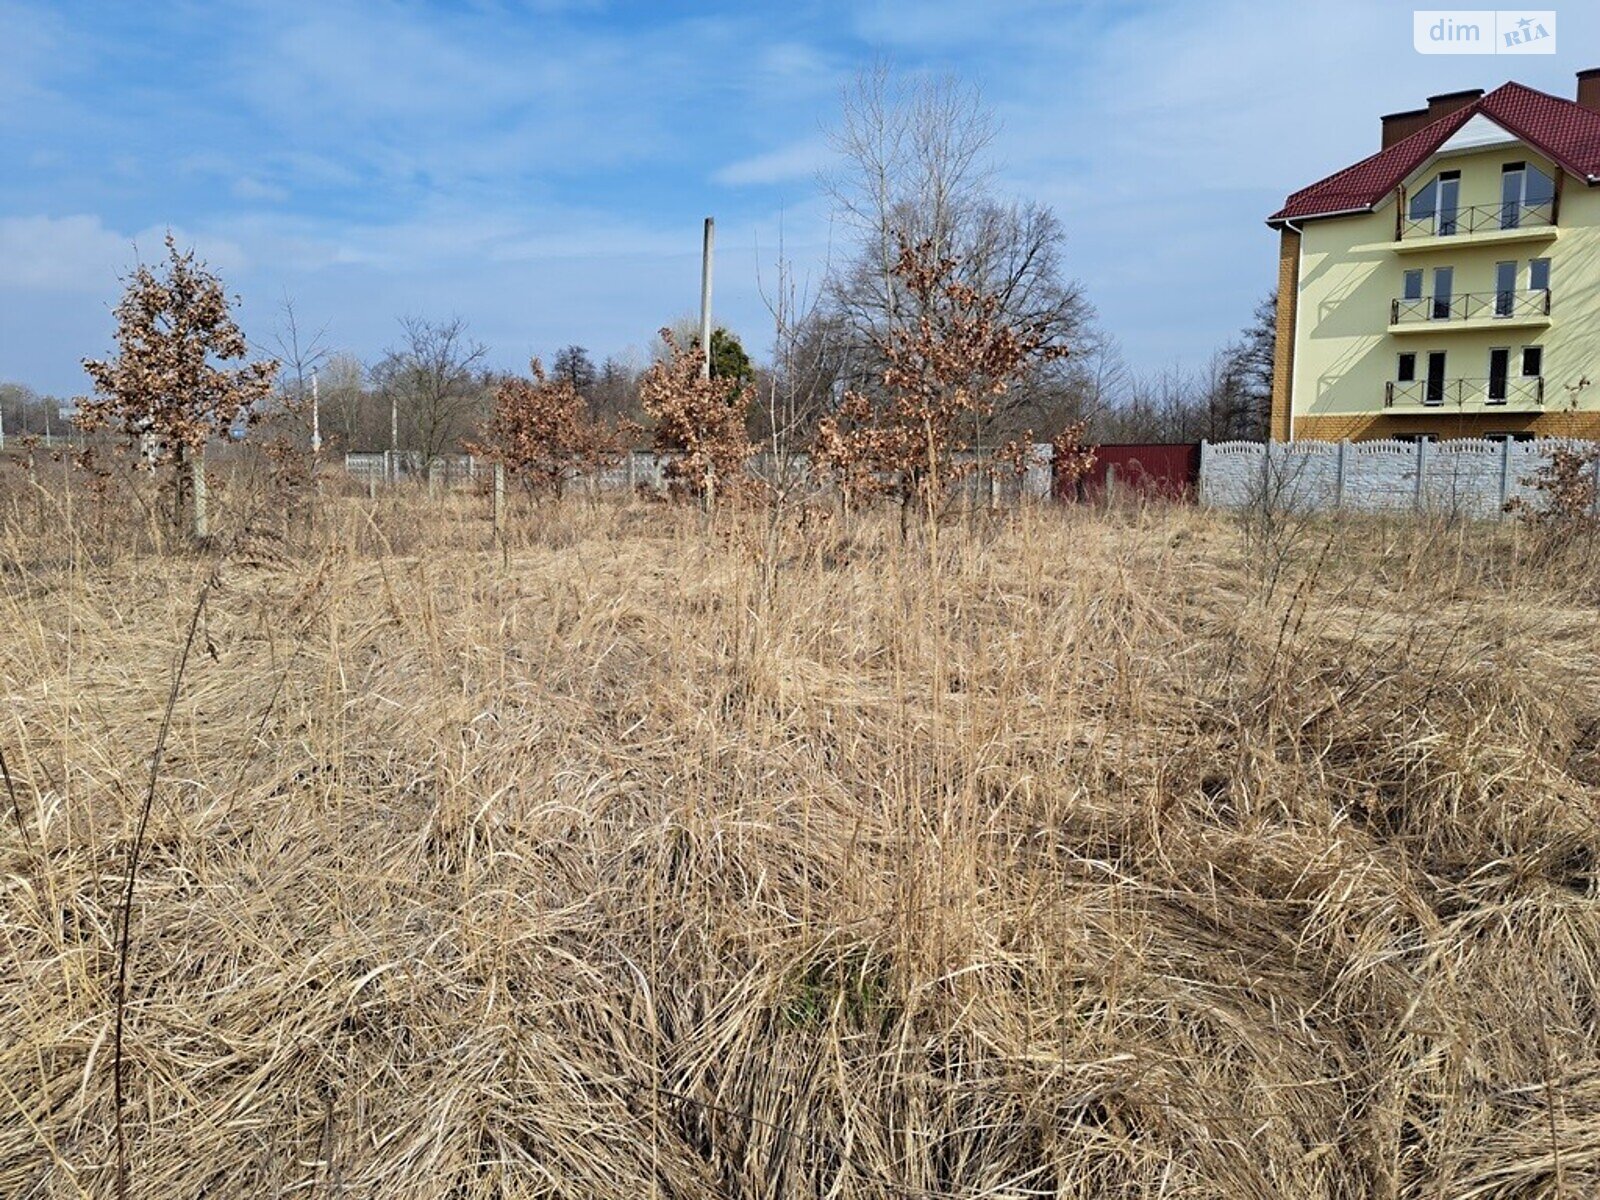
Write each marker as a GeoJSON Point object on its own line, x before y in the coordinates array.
{"type": "Point", "coordinates": [1564, 132]}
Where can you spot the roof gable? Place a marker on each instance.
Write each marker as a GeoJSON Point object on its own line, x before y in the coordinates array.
{"type": "Point", "coordinates": [1478, 133]}
{"type": "Point", "coordinates": [1564, 132]}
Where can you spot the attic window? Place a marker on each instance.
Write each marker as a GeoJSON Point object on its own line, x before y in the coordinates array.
{"type": "Point", "coordinates": [1437, 201]}
{"type": "Point", "coordinates": [1523, 189]}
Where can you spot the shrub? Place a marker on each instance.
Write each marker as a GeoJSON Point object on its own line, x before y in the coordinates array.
{"type": "Point", "coordinates": [701, 420]}
{"type": "Point", "coordinates": [542, 432]}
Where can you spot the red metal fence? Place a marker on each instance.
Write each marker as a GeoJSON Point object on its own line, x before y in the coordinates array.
{"type": "Point", "coordinates": [1165, 472]}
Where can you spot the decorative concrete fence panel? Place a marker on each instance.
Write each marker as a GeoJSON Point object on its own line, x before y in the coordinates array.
{"type": "Point", "coordinates": [1231, 473]}
{"type": "Point", "coordinates": [1469, 477]}
{"type": "Point", "coordinates": [648, 470]}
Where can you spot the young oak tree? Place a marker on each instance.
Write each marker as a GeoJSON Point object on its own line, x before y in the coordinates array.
{"type": "Point", "coordinates": [169, 388]}
{"type": "Point", "coordinates": [542, 432]}
{"type": "Point", "coordinates": [943, 371]}
{"type": "Point", "coordinates": [913, 163]}
{"type": "Point", "coordinates": [702, 420]}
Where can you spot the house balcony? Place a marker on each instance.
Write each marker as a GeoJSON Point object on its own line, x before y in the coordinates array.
{"type": "Point", "coordinates": [1480, 225]}
{"type": "Point", "coordinates": [1528, 308]}
{"type": "Point", "coordinates": [1514, 394]}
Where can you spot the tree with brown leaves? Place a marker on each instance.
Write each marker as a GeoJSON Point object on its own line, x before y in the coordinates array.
{"type": "Point", "coordinates": [169, 389]}
{"type": "Point", "coordinates": [542, 432]}
{"type": "Point", "coordinates": [946, 366]}
{"type": "Point", "coordinates": [701, 421]}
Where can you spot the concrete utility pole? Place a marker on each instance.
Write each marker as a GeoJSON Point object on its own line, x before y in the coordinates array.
{"type": "Point", "coordinates": [394, 438]}
{"type": "Point", "coordinates": [316, 416]}
{"type": "Point", "coordinates": [705, 298]}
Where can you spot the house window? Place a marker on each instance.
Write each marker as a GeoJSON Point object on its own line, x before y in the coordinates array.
{"type": "Point", "coordinates": [1539, 274]}
{"type": "Point", "coordinates": [1435, 388]}
{"type": "Point", "coordinates": [1499, 368]}
{"type": "Point", "coordinates": [1412, 289]}
{"type": "Point", "coordinates": [1424, 201]}
{"type": "Point", "coordinates": [1532, 361]}
{"type": "Point", "coordinates": [1523, 187]}
{"type": "Point", "coordinates": [1443, 284]}
{"type": "Point", "coordinates": [1437, 203]}
{"type": "Point", "coordinates": [1505, 289]}
{"type": "Point", "coordinates": [1508, 437]}
{"type": "Point", "coordinates": [1416, 437]}
{"type": "Point", "coordinates": [1405, 370]}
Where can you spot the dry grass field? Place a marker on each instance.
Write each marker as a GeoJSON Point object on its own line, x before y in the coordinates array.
{"type": "Point", "coordinates": [1078, 855]}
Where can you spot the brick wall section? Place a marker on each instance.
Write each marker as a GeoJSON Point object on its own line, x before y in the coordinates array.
{"type": "Point", "coordinates": [1283, 350]}
{"type": "Point", "coordinates": [1369, 426]}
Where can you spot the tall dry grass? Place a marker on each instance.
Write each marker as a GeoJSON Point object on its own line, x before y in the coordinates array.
{"type": "Point", "coordinates": [631, 858]}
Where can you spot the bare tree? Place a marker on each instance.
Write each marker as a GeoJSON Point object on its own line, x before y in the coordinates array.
{"type": "Point", "coordinates": [614, 395]}
{"type": "Point", "coordinates": [1227, 398]}
{"type": "Point", "coordinates": [432, 382]}
{"type": "Point", "coordinates": [801, 386]}
{"type": "Point", "coordinates": [301, 353]}
{"type": "Point", "coordinates": [353, 416]}
{"type": "Point", "coordinates": [18, 402]}
{"type": "Point", "coordinates": [915, 170]}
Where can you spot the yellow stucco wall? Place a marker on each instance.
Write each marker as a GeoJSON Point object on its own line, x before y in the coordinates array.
{"type": "Point", "coordinates": [1350, 271]}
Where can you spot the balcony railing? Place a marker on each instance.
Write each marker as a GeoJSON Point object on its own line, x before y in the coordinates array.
{"type": "Point", "coordinates": [1513, 391]}
{"type": "Point", "coordinates": [1480, 218]}
{"type": "Point", "coordinates": [1468, 306]}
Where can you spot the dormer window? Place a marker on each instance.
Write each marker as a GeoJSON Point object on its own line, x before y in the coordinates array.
{"type": "Point", "coordinates": [1523, 188]}
{"type": "Point", "coordinates": [1438, 202]}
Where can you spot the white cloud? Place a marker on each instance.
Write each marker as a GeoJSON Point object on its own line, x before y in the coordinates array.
{"type": "Point", "coordinates": [253, 190]}
{"type": "Point", "coordinates": [71, 254]}
{"type": "Point", "coordinates": [798, 160]}
{"type": "Point", "coordinates": [29, 41]}
{"type": "Point", "coordinates": [81, 254]}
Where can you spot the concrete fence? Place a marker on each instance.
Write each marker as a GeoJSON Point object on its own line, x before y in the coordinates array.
{"type": "Point", "coordinates": [648, 470]}
{"type": "Point", "coordinates": [1467, 477]}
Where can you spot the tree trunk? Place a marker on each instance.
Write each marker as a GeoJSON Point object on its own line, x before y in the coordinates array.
{"type": "Point", "coordinates": [202, 523]}
{"type": "Point", "coordinates": [180, 491]}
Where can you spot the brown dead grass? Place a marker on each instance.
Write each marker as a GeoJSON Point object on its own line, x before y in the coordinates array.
{"type": "Point", "coordinates": [635, 859]}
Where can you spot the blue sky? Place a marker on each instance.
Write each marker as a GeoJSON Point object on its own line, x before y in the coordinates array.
{"type": "Point", "coordinates": [542, 168]}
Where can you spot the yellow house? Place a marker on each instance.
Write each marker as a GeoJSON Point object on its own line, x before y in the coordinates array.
{"type": "Point", "coordinates": [1449, 285]}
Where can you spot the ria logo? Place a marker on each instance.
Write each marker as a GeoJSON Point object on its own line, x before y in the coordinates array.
{"type": "Point", "coordinates": [1483, 31]}
{"type": "Point", "coordinates": [1527, 31]}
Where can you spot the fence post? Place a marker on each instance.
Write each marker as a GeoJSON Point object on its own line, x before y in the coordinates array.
{"type": "Point", "coordinates": [1505, 475]}
{"type": "Point", "coordinates": [1422, 470]}
{"type": "Point", "coordinates": [197, 469]}
{"type": "Point", "coordinates": [1111, 483]}
{"type": "Point", "coordinates": [1594, 505]}
{"type": "Point", "coordinates": [1200, 479]}
{"type": "Point", "coordinates": [433, 487]}
{"type": "Point", "coordinates": [1338, 473]}
{"type": "Point", "coordinates": [499, 509]}
{"type": "Point", "coordinates": [633, 472]}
